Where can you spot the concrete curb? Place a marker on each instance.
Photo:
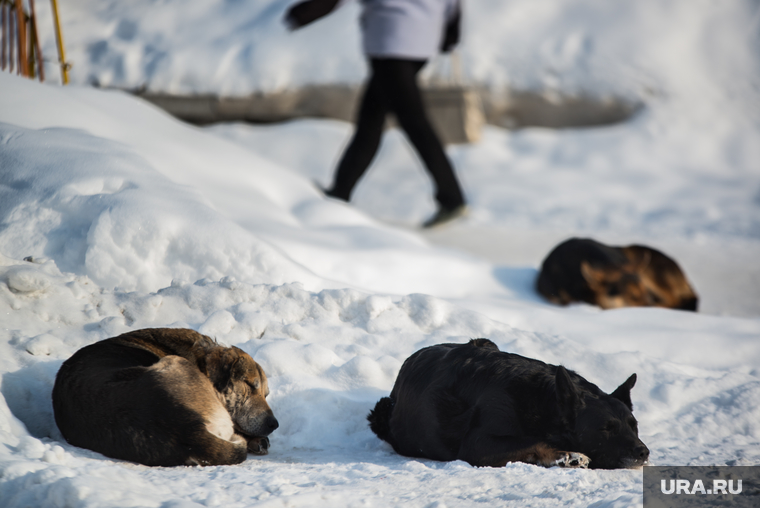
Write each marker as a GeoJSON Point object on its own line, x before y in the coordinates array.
{"type": "Point", "coordinates": [511, 109]}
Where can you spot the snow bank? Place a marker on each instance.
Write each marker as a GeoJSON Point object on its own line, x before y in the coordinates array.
{"type": "Point", "coordinates": [329, 356]}
{"type": "Point", "coordinates": [262, 201]}
{"type": "Point", "coordinates": [100, 209]}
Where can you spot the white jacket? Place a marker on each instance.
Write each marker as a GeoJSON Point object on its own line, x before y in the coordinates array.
{"type": "Point", "coordinates": [410, 29]}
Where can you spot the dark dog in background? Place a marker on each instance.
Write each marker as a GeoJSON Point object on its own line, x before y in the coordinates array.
{"type": "Point", "coordinates": [164, 397]}
{"type": "Point", "coordinates": [584, 270]}
{"type": "Point", "coordinates": [475, 403]}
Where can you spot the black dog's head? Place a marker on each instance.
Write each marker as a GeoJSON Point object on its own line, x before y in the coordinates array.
{"type": "Point", "coordinates": [603, 426]}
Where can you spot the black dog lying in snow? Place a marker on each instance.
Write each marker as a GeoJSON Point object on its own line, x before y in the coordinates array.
{"type": "Point", "coordinates": [475, 403]}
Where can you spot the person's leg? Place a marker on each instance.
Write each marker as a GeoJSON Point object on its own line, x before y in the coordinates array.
{"type": "Point", "coordinates": [364, 143]}
{"type": "Point", "coordinates": [398, 79]}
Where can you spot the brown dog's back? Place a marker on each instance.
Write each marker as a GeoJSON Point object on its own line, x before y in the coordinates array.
{"type": "Point", "coordinates": [662, 277]}
{"type": "Point", "coordinates": [584, 270]}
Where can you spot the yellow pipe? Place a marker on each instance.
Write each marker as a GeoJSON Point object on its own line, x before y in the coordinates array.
{"type": "Point", "coordinates": [59, 39]}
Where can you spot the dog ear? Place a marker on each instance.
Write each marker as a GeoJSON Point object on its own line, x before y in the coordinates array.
{"type": "Point", "coordinates": [567, 393]}
{"type": "Point", "coordinates": [623, 392]}
{"type": "Point", "coordinates": [638, 256]}
{"type": "Point", "coordinates": [593, 276]}
{"type": "Point", "coordinates": [221, 369]}
{"type": "Point", "coordinates": [238, 367]}
{"type": "Point", "coordinates": [201, 363]}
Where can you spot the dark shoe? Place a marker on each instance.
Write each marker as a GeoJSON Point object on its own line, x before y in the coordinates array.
{"type": "Point", "coordinates": [327, 192]}
{"type": "Point", "coordinates": [444, 215]}
{"type": "Point", "coordinates": [331, 194]}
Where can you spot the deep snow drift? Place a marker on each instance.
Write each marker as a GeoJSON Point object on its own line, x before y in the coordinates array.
{"type": "Point", "coordinates": [133, 219]}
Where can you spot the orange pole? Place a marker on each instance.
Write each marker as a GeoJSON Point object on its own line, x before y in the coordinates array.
{"type": "Point", "coordinates": [21, 32]}
{"type": "Point", "coordinates": [35, 42]}
{"type": "Point", "coordinates": [59, 39]}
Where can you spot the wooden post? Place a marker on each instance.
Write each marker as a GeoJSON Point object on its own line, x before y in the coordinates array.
{"type": "Point", "coordinates": [35, 44]}
{"type": "Point", "coordinates": [23, 69]}
{"type": "Point", "coordinates": [11, 38]}
{"type": "Point", "coordinates": [4, 41]}
{"type": "Point", "coordinates": [59, 39]}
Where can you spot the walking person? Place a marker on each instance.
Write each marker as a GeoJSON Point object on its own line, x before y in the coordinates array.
{"type": "Point", "coordinates": [399, 37]}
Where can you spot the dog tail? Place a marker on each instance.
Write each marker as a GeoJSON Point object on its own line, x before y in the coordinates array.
{"type": "Point", "coordinates": [380, 417]}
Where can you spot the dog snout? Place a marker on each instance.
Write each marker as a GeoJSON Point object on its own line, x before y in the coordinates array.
{"type": "Point", "coordinates": [271, 423]}
{"type": "Point", "coordinates": [642, 453]}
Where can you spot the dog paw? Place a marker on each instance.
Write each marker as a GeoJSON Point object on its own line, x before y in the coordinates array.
{"type": "Point", "coordinates": [572, 459]}
{"type": "Point", "coordinates": [258, 445]}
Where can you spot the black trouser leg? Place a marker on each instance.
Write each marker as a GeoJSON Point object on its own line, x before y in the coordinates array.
{"type": "Point", "coordinates": [364, 143]}
{"type": "Point", "coordinates": [399, 80]}
{"type": "Point", "coordinates": [393, 87]}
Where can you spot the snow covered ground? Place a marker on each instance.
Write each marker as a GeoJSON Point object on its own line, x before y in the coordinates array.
{"type": "Point", "coordinates": [133, 219]}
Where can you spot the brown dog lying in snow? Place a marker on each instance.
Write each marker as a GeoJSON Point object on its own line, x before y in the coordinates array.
{"type": "Point", "coordinates": [584, 270]}
{"type": "Point", "coordinates": [164, 397]}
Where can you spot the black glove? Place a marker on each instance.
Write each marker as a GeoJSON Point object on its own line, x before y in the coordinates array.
{"type": "Point", "coordinates": [303, 13]}
{"type": "Point", "coordinates": [451, 35]}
